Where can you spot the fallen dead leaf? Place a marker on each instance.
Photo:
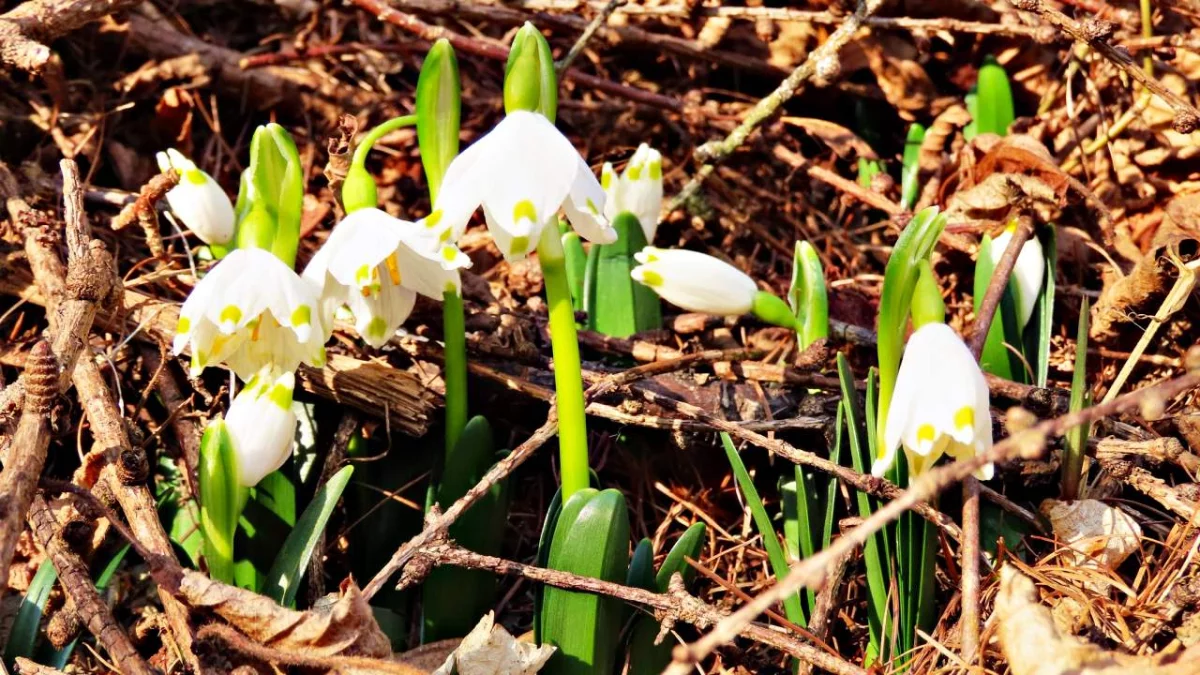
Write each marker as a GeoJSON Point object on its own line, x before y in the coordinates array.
{"type": "Point", "coordinates": [841, 140]}
{"type": "Point", "coordinates": [489, 649]}
{"type": "Point", "coordinates": [1101, 536]}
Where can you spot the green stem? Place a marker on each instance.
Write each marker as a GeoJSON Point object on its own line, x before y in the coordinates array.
{"type": "Point", "coordinates": [568, 374]}
{"type": "Point", "coordinates": [368, 141]}
{"type": "Point", "coordinates": [455, 371]}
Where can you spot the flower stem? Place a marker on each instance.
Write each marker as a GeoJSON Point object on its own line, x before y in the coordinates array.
{"type": "Point", "coordinates": [568, 374]}
{"type": "Point", "coordinates": [368, 141]}
{"type": "Point", "coordinates": [455, 370]}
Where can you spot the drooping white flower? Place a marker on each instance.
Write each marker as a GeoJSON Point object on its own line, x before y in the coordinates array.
{"type": "Point", "coordinates": [1029, 272]}
{"type": "Point", "coordinates": [198, 200]}
{"type": "Point", "coordinates": [939, 405]}
{"type": "Point", "coordinates": [695, 281]}
{"type": "Point", "coordinates": [376, 265]}
{"type": "Point", "coordinates": [522, 172]}
{"type": "Point", "coordinates": [249, 311]}
{"type": "Point", "coordinates": [638, 189]}
{"type": "Point", "coordinates": [261, 424]}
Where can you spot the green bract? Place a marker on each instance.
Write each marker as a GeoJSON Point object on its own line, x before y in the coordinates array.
{"type": "Point", "coordinates": [271, 196]}
{"type": "Point", "coordinates": [773, 310]}
{"type": "Point", "coordinates": [221, 499]}
{"type": "Point", "coordinates": [439, 103]}
{"type": "Point", "coordinates": [807, 295]}
{"type": "Point", "coordinates": [927, 303]}
{"type": "Point", "coordinates": [529, 79]}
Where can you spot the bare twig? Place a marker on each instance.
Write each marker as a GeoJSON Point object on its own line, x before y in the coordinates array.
{"type": "Point", "coordinates": [597, 21]}
{"type": "Point", "coordinates": [822, 62]}
{"type": "Point", "coordinates": [811, 572]}
{"type": "Point", "coordinates": [298, 659]}
{"type": "Point", "coordinates": [26, 28]}
{"type": "Point", "coordinates": [1096, 33]}
{"type": "Point", "coordinates": [826, 602]}
{"type": "Point", "coordinates": [143, 210]}
{"type": "Point", "coordinates": [676, 605]}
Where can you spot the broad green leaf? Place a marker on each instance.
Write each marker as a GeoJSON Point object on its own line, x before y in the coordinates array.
{"type": "Point", "coordinates": [994, 111]}
{"type": "Point", "coordinates": [590, 539]}
{"type": "Point", "coordinates": [687, 546]}
{"type": "Point", "coordinates": [867, 170]}
{"type": "Point", "coordinates": [24, 631]}
{"type": "Point", "coordinates": [221, 499]}
{"type": "Point", "coordinates": [645, 657]}
{"type": "Point", "coordinates": [553, 513]}
{"type": "Point", "coordinates": [284, 578]}
{"type": "Point", "coordinates": [58, 658]}
{"type": "Point", "coordinates": [641, 566]}
{"type": "Point", "coordinates": [617, 305]}
{"type": "Point", "coordinates": [910, 170]}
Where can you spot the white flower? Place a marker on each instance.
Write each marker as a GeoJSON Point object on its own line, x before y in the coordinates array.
{"type": "Point", "coordinates": [638, 190]}
{"type": "Point", "coordinates": [249, 311]}
{"type": "Point", "coordinates": [198, 201]}
{"type": "Point", "coordinates": [377, 264]}
{"type": "Point", "coordinates": [522, 172]}
{"type": "Point", "coordinates": [939, 405]}
{"type": "Point", "coordinates": [1029, 272]}
{"type": "Point", "coordinates": [695, 281]}
{"type": "Point", "coordinates": [261, 424]}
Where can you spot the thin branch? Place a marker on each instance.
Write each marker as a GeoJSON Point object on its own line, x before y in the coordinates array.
{"type": "Point", "coordinates": [597, 21]}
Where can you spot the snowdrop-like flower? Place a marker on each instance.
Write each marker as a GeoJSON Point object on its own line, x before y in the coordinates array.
{"type": "Point", "coordinates": [522, 172]}
{"type": "Point", "coordinates": [939, 405]}
{"type": "Point", "coordinates": [249, 311]}
{"type": "Point", "coordinates": [1029, 271]}
{"type": "Point", "coordinates": [695, 281]}
{"type": "Point", "coordinates": [261, 424]}
{"type": "Point", "coordinates": [377, 265]}
{"type": "Point", "coordinates": [637, 190]}
{"type": "Point", "coordinates": [198, 201]}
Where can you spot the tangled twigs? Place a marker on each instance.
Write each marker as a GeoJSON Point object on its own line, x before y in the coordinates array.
{"type": "Point", "coordinates": [811, 572]}
{"type": "Point", "coordinates": [675, 605]}
{"type": "Point", "coordinates": [142, 210]}
{"type": "Point", "coordinates": [821, 63]}
{"type": "Point", "coordinates": [331, 664]}
{"type": "Point", "coordinates": [1096, 34]}
{"type": "Point", "coordinates": [25, 29]}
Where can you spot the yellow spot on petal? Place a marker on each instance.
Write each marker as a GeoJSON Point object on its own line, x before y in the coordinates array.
{"type": "Point", "coordinates": [525, 209]}
{"type": "Point", "coordinates": [651, 278]}
{"type": "Point", "coordinates": [445, 236]}
{"type": "Point", "coordinates": [656, 169]}
{"type": "Point", "coordinates": [377, 328]}
{"type": "Point", "coordinates": [964, 418]}
{"type": "Point", "coordinates": [362, 276]}
{"type": "Point", "coordinates": [393, 268]}
{"type": "Point", "coordinates": [184, 325]}
{"type": "Point", "coordinates": [634, 172]}
{"type": "Point", "coordinates": [195, 176]}
{"type": "Point", "coordinates": [451, 288]}
{"type": "Point", "coordinates": [519, 246]}
{"type": "Point", "coordinates": [432, 220]}
{"type": "Point", "coordinates": [592, 206]}
{"type": "Point", "coordinates": [449, 253]}
{"type": "Point", "coordinates": [254, 331]}
{"type": "Point", "coordinates": [926, 432]}
{"type": "Point", "coordinates": [302, 316]}
{"type": "Point", "coordinates": [606, 180]}
{"type": "Point", "coordinates": [281, 395]}
{"type": "Point", "coordinates": [231, 313]}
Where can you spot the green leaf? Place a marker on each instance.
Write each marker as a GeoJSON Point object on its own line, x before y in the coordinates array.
{"type": "Point", "coordinates": [807, 295]}
{"type": "Point", "coordinates": [867, 170]}
{"type": "Point", "coordinates": [910, 170]}
{"type": "Point", "coordinates": [645, 657]}
{"type": "Point", "coordinates": [576, 259]}
{"type": "Point", "coordinates": [553, 513]}
{"type": "Point", "coordinates": [24, 630]}
{"type": "Point", "coordinates": [58, 658]}
{"type": "Point", "coordinates": [762, 522]}
{"type": "Point", "coordinates": [994, 111]}
{"type": "Point", "coordinates": [641, 566]}
{"type": "Point", "coordinates": [590, 539]}
{"type": "Point", "coordinates": [620, 306]}
{"type": "Point", "coordinates": [1041, 325]}
{"type": "Point", "coordinates": [687, 546]}
{"type": "Point", "coordinates": [284, 578]}
{"type": "Point", "coordinates": [1075, 440]}
{"type": "Point", "coordinates": [439, 110]}
{"type": "Point", "coordinates": [998, 357]}
{"type": "Point", "coordinates": [222, 499]}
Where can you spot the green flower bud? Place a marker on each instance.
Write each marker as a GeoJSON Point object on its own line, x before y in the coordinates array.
{"type": "Point", "coordinates": [529, 79]}
{"type": "Point", "coordinates": [439, 104]}
{"type": "Point", "coordinates": [271, 195]}
{"type": "Point", "coordinates": [358, 189]}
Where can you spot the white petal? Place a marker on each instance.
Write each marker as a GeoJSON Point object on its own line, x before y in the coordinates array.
{"type": "Point", "coordinates": [378, 315]}
{"type": "Point", "coordinates": [517, 239]}
{"type": "Point", "coordinates": [1029, 272]}
{"type": "Point", "coordinates": [642, 190]}
{"type": "Point", "coordinates": [696, 282]}
{"type": "Point", "coordinates": [262, 426]}
{"type": "Point", "coordinates": [585, 207]}
{"type": "Point", "coordinates": [610, 182]}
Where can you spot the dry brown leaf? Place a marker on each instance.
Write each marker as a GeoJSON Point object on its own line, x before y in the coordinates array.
{"type": "Point", "coordinates": [999, 193]}
{"type": "Point", "coordinates": [903, 80]}
{"type": "Point", "coordinates": [845, 143]}
{"type": "Point", "coordinates": [1101, 536]}
{"type": "Point", "coordinates": [341, 625]}
{"type": "Point", "coordinates": [1033, 645]}
{"type": "Point", "coordinates": [489, 649]}
{"type": "Point", "coordinates": [944, 128]}
{"type": "Point", "coordinates": [790, 45]}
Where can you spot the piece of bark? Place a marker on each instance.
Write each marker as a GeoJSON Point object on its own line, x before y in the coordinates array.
{"type": "Point", "coordinates": [26, 28]}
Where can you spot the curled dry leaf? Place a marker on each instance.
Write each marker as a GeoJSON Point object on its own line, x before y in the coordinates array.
{"type": "Point", "coordinates": [1033, 645]}
{"type": "Point", "coordinates": [841, 140]}
{"type": "Point", "coordinates": [341, 625]}
{"type": "Point", "coordinates": [1101, 536]}
{"type": "Point", "coordinates": [904, 82]}
{"type": "Point", "coordinates": [491, 650]}
{"type": "Point", "coordinates": [1175, 245]}
{"type": "Point", "coordinates": [996, 196]}
{"type": "Point", "coordinates": [944, 128]}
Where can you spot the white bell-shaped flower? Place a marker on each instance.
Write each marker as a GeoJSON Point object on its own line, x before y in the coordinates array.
{"type": "Point", "coordinates": [522, 172]}
{"type": "Point", "coordinates": [261, 424]}
{"type": "Point", "coordinates": [249, 311]}
{"type": "Point", "coordinates": [695, 281]}
{"type": "Point", "coordinates": [1029, 272]}
{"type": "Point", "coordinates": [376, 265]}
{"type": "Point", "coordinates": [638, 190]}
{"type": "Point", "coordinates": [198, 200]}
{"type": "Point", "coordinates": [939, 405]}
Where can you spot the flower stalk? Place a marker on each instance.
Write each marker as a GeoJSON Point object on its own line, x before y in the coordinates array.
{"type": "Point", "coordinates": [358, 189]}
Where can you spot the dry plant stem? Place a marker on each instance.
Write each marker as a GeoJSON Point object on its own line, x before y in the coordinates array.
{"type": "Point", "coordinates": [142, 210]}
{"type": "Point", "coordinates": [333, 461]}
{"type": "Point", "coordinates": [822, 614]}
{"type": "Point", "coordinates": [27, 455]}
{"type": "Point", "coordinates": [187, 430]}
{"type": "Point", "coordinates": [26, 28]}
{"type": "Point", "coordinates": [77, 584]}
{"type": "Point", "coordinates": [330, 664]}
{"type": "Point", "coordinates": [864, 195]}
{"type": "Point", "coordinates": [493, 50]}
{"type": "Point", "coordinates": [1096, 34]}
{"type": "Point", "coordinates": [676, 605]}
{"type": "Point", "coordinates": [821, 61]}
{"type": "Point", "coordinates": [26, 667]}
{"type": "Point", "coordinates": [597, 21]}
{"type": "Point", "coordinates": [1152, 486]}
{"type": "Point", "coordinates": [108, 426]}
{"type": "Point", "coordinates": [970, 513]}
{"type": "Point", "coordinates": [811, 572]}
